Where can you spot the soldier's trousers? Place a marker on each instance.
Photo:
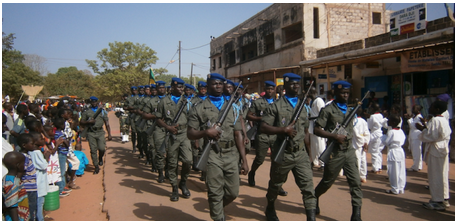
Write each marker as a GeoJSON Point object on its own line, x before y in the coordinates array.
{"type": "Point", "coordinates": [158, 136]}
{"type": "Point", "coordinates": [142, 141]}
{"type": "Point", "coordinates": [222, 179]}
{"type": "Point", "coordinates": [97, 142]}
{"type": "Point", "coordinates": [179, 149]}
{"type": "Point", "coordinates": [262, 145]}
{"type": "Point", "coordinates": [299, 163]}
{"type": "Point", "coordinates": [346, 160]}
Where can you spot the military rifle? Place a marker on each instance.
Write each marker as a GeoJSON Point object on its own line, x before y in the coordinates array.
{"type": "Point", "coordinates": [202, 163]}
{"type": "Point", "coordinates": [279, 157]}
{"type": "Point", "coordinates": [85, 131]}
{"type": "Point", "coordinates": [174, 122]}
{"type": "Point", "coordinates": [339, 129]}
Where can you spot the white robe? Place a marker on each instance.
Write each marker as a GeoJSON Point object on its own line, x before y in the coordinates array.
{"type": "Point", "coordinates": [415, 144]}
{"type": "Point", "coordinates": [318, 144]}
{"type": "Point", "coordinates": [396, 164]}
{"type": "Point", "coordinates": [360, 137]}
{"type": "Point", "coordinates": [375, 147]}
{"type": "Point", "coordinates": [437, 136]}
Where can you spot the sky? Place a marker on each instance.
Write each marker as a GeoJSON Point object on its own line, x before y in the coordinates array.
{"type": "Point", "coordinates": [67, 34]}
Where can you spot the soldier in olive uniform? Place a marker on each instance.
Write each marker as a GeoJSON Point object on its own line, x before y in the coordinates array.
{"type": "Point", "coordinates": [222, 167]}
{"type": "Point", "coordinates": [263, 141]}
{"type": "Point", "coordinates": [343, 155]}
{"type": "Point", "coordinates": [141, 140]}
{"type": "Point", "coordinates": [129, 106]}
{"type": "Point", "coordinates": [277, 120]}
{"type": "Point", "coordinates": [142, 127]}
{"type": "Point", "coordinates": [197, 148]}
{"type": "Point", "coordinates": [95, 132]}
{"type": "Point", "coordinates": [123, 116]}
{"type": "Point", "coordinates": [180, 147]}
{"type": "Point", "coordinates": [156, 136]}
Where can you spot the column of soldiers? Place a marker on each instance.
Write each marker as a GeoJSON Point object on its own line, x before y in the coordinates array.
{"type": "Point", "coordinates": [172, 125]}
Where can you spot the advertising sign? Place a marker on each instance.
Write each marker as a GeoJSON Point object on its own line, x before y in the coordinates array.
{"type": "Point", "coordinates": [427, 59]}
{"type": "Point", "coordinates": [408, 20]}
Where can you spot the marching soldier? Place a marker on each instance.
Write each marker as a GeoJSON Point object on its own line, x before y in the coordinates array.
{"type": "Point", "coordinates": [222, 168]}
{"type": "Point", "coordinates": [180, 147]}
{"type": "Point", "coordinates": [343, 155]}
{"type": "Point", "coordinates": [129, 105]}
{"type": "Point", "coordinates": [142, 127]}
{"type": "Point", "coordinates": [95, 132]}
{"type": "Point", "coordinates": [277, 120]}
{"type": "Point", "coordinates": [137, 120]}
{"type": "Point", "coordinates": [123, 116]}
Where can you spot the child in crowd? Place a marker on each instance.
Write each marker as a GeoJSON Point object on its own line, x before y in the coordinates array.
{"type": "Point", "coordinates": [396, 165]}
{"type": "Point", "coordinates": [361, 138]}
{"type": "Point", "coordinates": [14, 194]}
{"type": "Point", "coordinates": [62, 145]}
{"type": "Point", "coordinates": [41, 164]}
{"type": "Point", "coordinates": [436, 133]}
{"type": "Point", "coordinates": [415, 144]}
{"type": "Point", "coordinates": [25, 141]}
{"type": "Point", "coordinates": [67, 114]}
{"type": "Point", "coordinates": [53, 168]}
{"type": "Point", "coordinates": [82, 159]}
{"type": "Point", "coordinates": [375, 147]}
{"type": "Point", "coordinates": [19, 125]}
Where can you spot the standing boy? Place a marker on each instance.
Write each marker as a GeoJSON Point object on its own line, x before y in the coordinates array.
{"type": "Point", "coordinates": [360, 141]}
{"type": "Point", "coordinates": [25, 141]}
{"type": "Point", "coordinates": [415, 144]}
{"type": "Point", "coordinates": [375, 123]}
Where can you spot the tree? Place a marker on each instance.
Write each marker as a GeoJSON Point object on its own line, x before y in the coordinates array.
{"type": "Point", "coordinates": [69, 81]}
{"type": "Point", "coordinates": [18, 74]}
{"type": "Point", "coordinates": [159, 71]}
{"type": "Point", "coordinates": [36, 63]}
{"type": "Point", "coordinates": [111, 86]}
{"type": "Point", "coordinates": [9, 54]}
{"type": "Point", "coordinates": [123, 56]}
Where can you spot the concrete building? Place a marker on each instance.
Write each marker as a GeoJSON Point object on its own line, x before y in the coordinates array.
{"type": "Point", "coordinates": [275, 40]}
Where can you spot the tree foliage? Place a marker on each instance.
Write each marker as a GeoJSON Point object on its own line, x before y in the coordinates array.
{"type": "Point", "coordinates": [69, 81]}
{"type": "Point", "coordinates": [17, 74]}
{"type": "Point", "coordinates": [36, 63]}
{"type": "Point", "coordinates": [123, 56]}
{"type": "Point", "coordinates": [9, 54]}
{"type": "Point", "coordinates": [112, 86]}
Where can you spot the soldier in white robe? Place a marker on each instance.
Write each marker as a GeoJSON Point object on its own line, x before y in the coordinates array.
{"type": "Point", "coordinates": [415, 144]}
{"type": "Point", "coordinates": [360, 141]}
{"type": "Point", "coordinates": [375, 147]}
{"type": "Point", "coordinates": [436, 133]}
{"type": "Point", "coordinates": [318, 144]}
{"type": "Point", "coordinates": [396, 164]}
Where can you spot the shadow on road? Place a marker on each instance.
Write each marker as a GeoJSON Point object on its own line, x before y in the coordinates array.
{"type": "Point", "coordinates": [164, 213]}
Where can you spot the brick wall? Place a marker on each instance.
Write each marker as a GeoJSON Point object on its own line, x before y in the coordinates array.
{"type": "Point", "coordinates": [340, 48]}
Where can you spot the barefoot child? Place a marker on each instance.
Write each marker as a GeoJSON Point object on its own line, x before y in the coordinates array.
{"type": "Point", "coordinates": [360, 140]}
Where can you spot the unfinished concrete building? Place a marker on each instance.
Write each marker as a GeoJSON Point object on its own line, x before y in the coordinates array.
{"type": "Point", "coordinates": [275, 40]}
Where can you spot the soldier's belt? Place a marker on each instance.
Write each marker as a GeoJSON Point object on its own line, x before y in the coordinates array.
{"type": "Point", "coordinates": [96, 128]}
{"type": "Point", "coordinates": [226, 144]}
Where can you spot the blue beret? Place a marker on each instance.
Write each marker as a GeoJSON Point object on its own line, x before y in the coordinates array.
{"type": "Point", "coordinates": [230, 82]}
{"type": "Point", "coordinates": [168, 86]}
{"type": "Point", "coordinates": [159, 83]}
{"type": "Point", "coordinates": [215, 76]}
{"type": "Point", "coordinates": [152, 86]}
{"type": "Point", "coordinates": [291, 77]}
{"type": "Point", "coordinates": [93, 98]}
{"type": "Point", "coordinates": [201, 84]}
{"type": "Point", "coordinates": [190, 87]}
{"type": "Point", "coordinates": [176, 81]}
{"type": "Point", "coordinates": [141, 87]}
{"type": "Point", "coordinates": [133, 88]}
{"type": "Point", "coordinates": [147, 86]}
{"type": "Point", "coordinates": [341, 84]}
{"type": "Point", "coordinates": [237, 84]}
{"type": "Point", "coordinates": [269, 84]}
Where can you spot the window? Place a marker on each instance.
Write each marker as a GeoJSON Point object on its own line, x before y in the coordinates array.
{"type": "Point", "coordinates": [249, 51]}
{"type": "Point", "coordinates": [338, 68]}
{"type": "Point", "coordinates": [398, 59]}
{"type": "Point", "coordinates": [377, 18]}
{"type": "Point", "coordinates": [348, 71]}
{"type": "Point", "coordinates": [213, 64]}
{"type": "Point", "coordinates": [269, 43]}
{"type": "Point", "coordinates": [292, 33]}
{"type": "Point", "coordinates": [232, 58]}
{"type": "Point", "coordinates": [219, 62]}
{"type": "Point", "coordinates": [315, 22]}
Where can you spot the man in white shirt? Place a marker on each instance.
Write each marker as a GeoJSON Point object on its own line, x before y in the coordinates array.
{"type": "Point", "coordinates": [318, 144]}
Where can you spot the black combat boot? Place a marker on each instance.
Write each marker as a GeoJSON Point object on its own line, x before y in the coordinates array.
{"type": "Point", "coordinates": [356, 213]}
{"type": "Point", "coordinates": [195, 159]}
{"type": "Point", "coordinates": [160, 176]}
{"type": "Point", "coordinates": [281, 192]}
{"type": "Point", "coordinates": [270, 212]}
{"type": "Point", "coordinates": [97, 169]}
{"type": "Point", "coordinates": [251, 174]}
{"type": "Point", "coordinates": [133, 141]}
{"type": "Point", "coordinates": [310, 214]}
{"type": "Point", "coordinates": [100, 157]}
{"type": "Point", "coordinates": [185, 191]}
{"type": "Point", "coordinates": [175, 194]}
{"type": "Point", "coordinates": [318, 211]}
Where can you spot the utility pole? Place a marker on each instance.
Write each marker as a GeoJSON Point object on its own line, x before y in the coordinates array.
{"type": "Point", "coordinates": [191, 75]}
{"type": "Point", "coordinates": [180, 59]}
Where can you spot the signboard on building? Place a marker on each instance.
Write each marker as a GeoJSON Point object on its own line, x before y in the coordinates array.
{"type": "Point", "coordinates": [408, 20]}
{"type": "Point", "coordinates": [427, 59]}
{"type": "Point", "coordinates": [279, 81]}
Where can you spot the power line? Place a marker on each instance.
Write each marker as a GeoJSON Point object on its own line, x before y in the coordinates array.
{"type": "Point", "coordinates": [196, 47]}
{"type": "Point", "coordinates": [171, 58]}
{"type": "Point", "coordinates": [198, 54]}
